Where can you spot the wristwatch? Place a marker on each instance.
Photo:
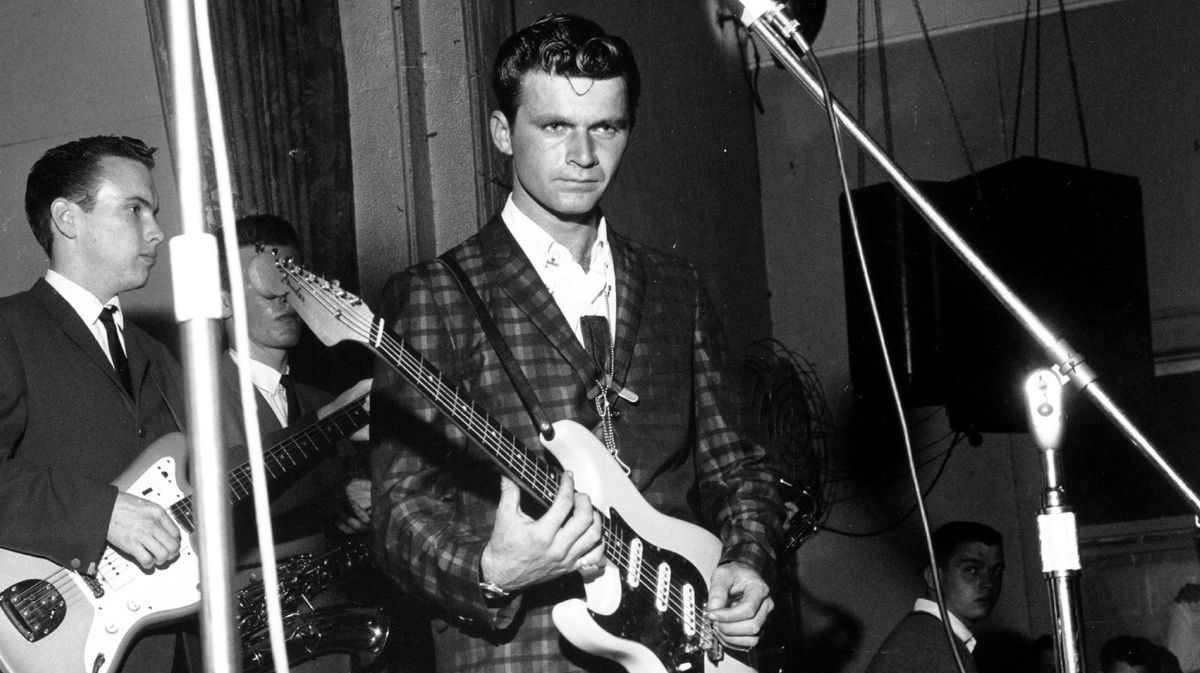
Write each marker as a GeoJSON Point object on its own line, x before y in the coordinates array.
{"type": "Point", "coordinates": [493, 591]}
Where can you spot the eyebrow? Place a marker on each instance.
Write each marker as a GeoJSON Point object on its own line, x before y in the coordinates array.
{"type": "Point", "coordinates": [620, 122]}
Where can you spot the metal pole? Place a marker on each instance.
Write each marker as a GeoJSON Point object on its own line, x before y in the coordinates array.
{"type": "Point", "coordinates": [1056, 522]}
{"type": "Point", "coordinates": [196, 285]}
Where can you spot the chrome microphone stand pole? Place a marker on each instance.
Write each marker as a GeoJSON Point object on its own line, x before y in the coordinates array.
{"type": "Point", "coordinates": [196, 284]}
{"type": "Point", "coordinates": [1056, 522]}
{"type": "Point", "coordinates": [769, 21]}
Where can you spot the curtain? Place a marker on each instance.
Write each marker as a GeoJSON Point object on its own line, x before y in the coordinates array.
{"type": "Point", "coordinates": [282, 80]}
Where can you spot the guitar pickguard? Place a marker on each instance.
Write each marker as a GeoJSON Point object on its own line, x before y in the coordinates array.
{"type": "Point", "coordinates": [134, 597]}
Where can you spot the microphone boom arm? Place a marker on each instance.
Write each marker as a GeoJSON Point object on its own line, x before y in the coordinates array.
{"type": "Point", "coordinates": [767, 20]}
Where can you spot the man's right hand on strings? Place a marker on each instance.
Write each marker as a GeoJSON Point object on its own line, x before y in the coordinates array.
{"type": "Point", "coordinates": [143, 530]}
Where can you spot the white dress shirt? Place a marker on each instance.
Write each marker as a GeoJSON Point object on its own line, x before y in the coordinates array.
{"type": "Point", "coordinates": [266, 379]}
{"type": "Point", "coordinates": [89, 308]}
{"type": "Point", "coordinates": [577, 292]}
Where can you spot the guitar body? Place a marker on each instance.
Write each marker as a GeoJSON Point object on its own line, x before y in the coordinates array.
{"type": "Point", "coordinates": [615, 622]}
{"type": "Point", "coordinates": [55, 620]}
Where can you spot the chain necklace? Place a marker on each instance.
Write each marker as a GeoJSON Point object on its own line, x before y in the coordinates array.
{"type": "Point", "coordinates": [604, 384]}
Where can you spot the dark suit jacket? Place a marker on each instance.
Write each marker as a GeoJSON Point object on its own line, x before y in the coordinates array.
{"type": "Point", "coordinates": [918, 645]}
{"type": "Point", "coordinates": [67, 428]}
{"type": "Point", "coordinates": [292, 507]}
{"type": "Point", "coordinates": [435, 499]}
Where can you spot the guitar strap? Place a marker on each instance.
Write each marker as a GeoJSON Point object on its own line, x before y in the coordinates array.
{"type": "Point", "coordinates": [525, 391]}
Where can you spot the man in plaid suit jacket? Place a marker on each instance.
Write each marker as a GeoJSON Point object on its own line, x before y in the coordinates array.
{"type": "Point", "coordinates": [450, 529]}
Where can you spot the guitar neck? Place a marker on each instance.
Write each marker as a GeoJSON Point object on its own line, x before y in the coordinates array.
{"type": "Point", "coordinates": [298, 451]}
{"type": "Point", "coordinates": [531, 472]}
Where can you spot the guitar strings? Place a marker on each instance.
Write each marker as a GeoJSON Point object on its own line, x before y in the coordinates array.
{"type": "Point", "coordinates": [30, 602]}
{"type": "Point", "coordinates": [468, 414]}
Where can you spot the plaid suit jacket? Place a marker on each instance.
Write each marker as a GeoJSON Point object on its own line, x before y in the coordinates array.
{"type": "Point", "coordinates": [436, 494]}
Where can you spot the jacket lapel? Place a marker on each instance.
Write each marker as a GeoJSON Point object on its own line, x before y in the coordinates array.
{"type": "Point", "coordinates": [74, 328]}
{"type": "Point", "coordinates": [520, 281]}
{"type": "Point", "coordinates": [631, 294]}
{"type": "Point", "coordinates": [139, 360]}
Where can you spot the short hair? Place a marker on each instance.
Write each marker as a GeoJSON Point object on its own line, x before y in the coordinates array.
{"type": "Point", "coordinates": [1137, 651]}
{"type": "Point", "coordinates": [254, 230]}
{"type": "Point", "coordinates": [949, 536]}
{"type": "Point", "coordinates": [567, 45]}
{"type": "Point", "coordinates": [70, 171]}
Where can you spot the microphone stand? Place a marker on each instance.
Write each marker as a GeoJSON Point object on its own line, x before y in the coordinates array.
{"type": "Point", "coordinates": [1056, 522]}
{"type": "Point", "coordinates": [782, 35]}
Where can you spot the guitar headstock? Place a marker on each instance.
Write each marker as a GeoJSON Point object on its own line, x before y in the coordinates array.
{"type": "Point", "coordinates": [332, 313]}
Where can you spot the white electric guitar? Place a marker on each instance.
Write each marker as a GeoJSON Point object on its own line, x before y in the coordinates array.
{"type": "Point", "coordinates": [646, 611]}
{"type": "Point", "coordinates": [57, 619]}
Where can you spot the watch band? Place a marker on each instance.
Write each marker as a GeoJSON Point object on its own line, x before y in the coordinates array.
{"type": "Point", "coordinates": [493, 590]}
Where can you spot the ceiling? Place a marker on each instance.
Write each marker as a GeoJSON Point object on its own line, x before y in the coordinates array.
{"type": "Point", "coordinates": [839, 31]}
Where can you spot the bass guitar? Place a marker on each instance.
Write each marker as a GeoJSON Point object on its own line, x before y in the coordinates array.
{"type": "Point", "coordinates": [58, 619]}
{"type": "Point", "coordinates": [646, 611]}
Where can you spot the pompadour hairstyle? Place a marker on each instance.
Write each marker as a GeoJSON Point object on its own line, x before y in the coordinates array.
{"type": "Point", "coordinates": [567, 45]}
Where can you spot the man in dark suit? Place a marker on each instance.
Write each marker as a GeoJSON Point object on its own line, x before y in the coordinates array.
{"type": "Point", "coordinates": [274, 330]}
{"type": "Point", "coordinates": [83, 391]}
{"type": "Point", "coordinates": [308, 501]}
{"type": "Point", "coordinates": [554, 275]}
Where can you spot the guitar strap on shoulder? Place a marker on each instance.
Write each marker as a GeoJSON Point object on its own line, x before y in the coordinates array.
{"type": "Point", "coordinates": [525, 391]}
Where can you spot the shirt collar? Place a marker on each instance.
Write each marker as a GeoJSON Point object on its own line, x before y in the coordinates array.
{"type": "Point", "coordinates": [264, 377]}
{"type": "Point", "coordinates": [960, 629]}
{"type": "Point", "coordinates": [540, 247]}
{"type": "Point", "coordinates": [84, 302]}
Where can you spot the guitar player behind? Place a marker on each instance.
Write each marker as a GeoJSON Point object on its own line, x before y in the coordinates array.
{"type": "Point", "coordinates": [324, 497]}
{"type": "Point", "coordinates": [83, 391]}
{"type": "Point", "coordinates": [554, 275]}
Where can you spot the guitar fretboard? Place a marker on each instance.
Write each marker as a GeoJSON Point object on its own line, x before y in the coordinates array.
{"type": "Point", "coordinates": [295, 452]}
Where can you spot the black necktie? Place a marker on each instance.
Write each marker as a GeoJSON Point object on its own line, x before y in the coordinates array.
{"type": "Point", "coordinates": [293, 401]}
{"type": "Point", "coordinates": [115, 350]}
{"type": "Point", "coordinates": [597, 340]}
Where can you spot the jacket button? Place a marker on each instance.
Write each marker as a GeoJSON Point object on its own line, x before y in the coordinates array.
{"type": "Point", "coordinates": [141, 433]}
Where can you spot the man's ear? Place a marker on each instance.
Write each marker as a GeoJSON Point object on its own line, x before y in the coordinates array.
{"type": "Point", "coordinates": [501, 134]}
{"type": "Point", "coordinates": [62, 217]}
{"type": "Point", "coordinates": [226, 305]}
{"type": "Point", "coordinates": [928, 575]}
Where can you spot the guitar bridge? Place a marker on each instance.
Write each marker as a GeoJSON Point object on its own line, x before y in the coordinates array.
{"type": "Point", "coordinates": [34, 607]}
{"type": "Point", "coordinates": [715, 652]}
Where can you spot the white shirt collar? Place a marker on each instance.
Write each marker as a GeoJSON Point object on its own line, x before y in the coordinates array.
{"type": "Point", "coordinates": [83, 301]}
{"type": "Point", "coordinates": [576, 292]}
{"type": "Point", "coordinates": [540, 247]}
{"type": "Point", "coordinates": [266, 379]}
{"type": "Point", "coordinates": [960, 629]}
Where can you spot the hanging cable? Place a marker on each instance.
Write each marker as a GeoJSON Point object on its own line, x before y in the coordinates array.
{"type": "Point", "coordinates": [860, 54]}
{"type": "Point", "coordinates": [889, 144]}
{"type": "Point", "coordinates": [1087, 155]}
{"type": "Point", "coordinates": [835, 131]}
{"type": "Point", "coordinates": [1020, 80]}
{"type": "Point", "coordinates": [1037, 81]}
{"type": "Point", "coordinates": [937, 68]}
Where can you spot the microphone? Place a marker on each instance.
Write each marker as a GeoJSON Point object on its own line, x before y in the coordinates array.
{"type": "Point", "coordinates": [772, 18]}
